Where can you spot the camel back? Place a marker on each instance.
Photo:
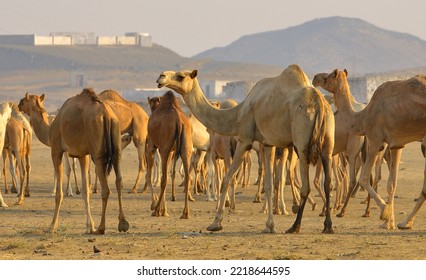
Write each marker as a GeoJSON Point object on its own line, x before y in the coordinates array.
{"type": "Point", "coordinates": [169, 100]}
{"type": "Point", "coordinates": [112, 96]}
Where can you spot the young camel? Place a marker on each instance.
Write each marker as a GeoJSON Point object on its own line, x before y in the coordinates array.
{"type": "Point", "coordinates": [5, 113]}
{"type": "Point", "coordinates": [84, 126]}
{"type": "Point", "coordinates": [169, 130]}
{"type": "Point", "coordinates": [17, 145]}
{"type": "Point", "coordinates": [281, 111]}
{"type": "Point", "coordinates": [394, 117]}
{"type": "Point", "coordinates": [134, 121]}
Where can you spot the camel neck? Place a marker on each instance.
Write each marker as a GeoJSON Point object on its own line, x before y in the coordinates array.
{"type": "Point", "coordinates": [222, 121]}
{"type": "Point", "coordinates": [343, 100]}
{"type": "Point", "coordinates": [41, 127]}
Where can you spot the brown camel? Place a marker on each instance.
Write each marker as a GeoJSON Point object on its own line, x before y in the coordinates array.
{"type": "Point", "coordinates": [5, 113]}
{"type": "Point", "coordinates": [394, 117]}
{"type": "Point", "coordinates": [84, 126]}
{"type": "Point", "coordinates": [281, 111]}
{"type": "Point", "coordinates": [169, 130]}
{"type": "Point", "coordinates": [133, 121]}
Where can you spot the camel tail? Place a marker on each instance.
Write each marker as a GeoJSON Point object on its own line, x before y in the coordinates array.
{"type": "Point", "coordinates": [111, 134]}
{"type": "Point", "coordinates": [178, 140]}
{"type": "Point", "coordinates": [319, 130]}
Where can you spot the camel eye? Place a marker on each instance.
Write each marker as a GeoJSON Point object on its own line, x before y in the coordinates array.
{"type": "Point", "coordinates": [180, 78]}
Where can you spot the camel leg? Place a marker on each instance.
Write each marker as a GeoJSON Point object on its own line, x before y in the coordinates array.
{"type": "Point", "coordinates": [268, 159]}
{"type": "Point", "coordinates": [304, 192]}
{"type": "Point", "coordinates": [68, 173]}
{"type": "Point", "coordinates": [391, 187]}
{"type": "Point", "coordinates": [27, 170]}
{"type": "Point", "coordinates": [20, 166]}
{"type": "Point", "coordinates": [5, 158]}
{"type": "Point", "coordinates": [151, 151]}
{"type": "Point", "coordinates": [317, 185]}
{"type": "Point", "coordinates": [123, 225]}
{"type": "Point", "coordinates": [236, 162]}
{"type": "Point", "coordinates": [185, 156]}
{"type": "Point", "coordinates": [161, 208]}
{"type": "Point", "coordinates": [364, 179]}
{"type": "Point", "coordinates": [58, 166]}
{"type": "Point", "coordinates": [408, 223]}
{"type": "Point", "coordinates": [2, 203]}
{"type": "Point", "coordinates": [140, 146]}
{"type": "Point", "coordinates": [258, 196]}
{"type": "Point", "coordinates": [85, 191]}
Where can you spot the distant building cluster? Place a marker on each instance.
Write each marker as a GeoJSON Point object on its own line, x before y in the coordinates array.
{"type": "Point", "coordinates": [78, 38]}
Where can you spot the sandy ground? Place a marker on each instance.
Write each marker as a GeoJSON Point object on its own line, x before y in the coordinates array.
{"type": "Point", "coordinates": [23, 237]}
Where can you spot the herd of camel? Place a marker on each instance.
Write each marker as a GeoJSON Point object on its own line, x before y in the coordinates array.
{"type": "Point", "coordinates": [285, 117]}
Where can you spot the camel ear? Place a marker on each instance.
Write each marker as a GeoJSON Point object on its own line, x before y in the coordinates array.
{"type": "Point", "coordinates": [193, 74]}
{"type": "Point", "coordinates": [335, 73]}
{"type": "Point", "coordinates": [42, 97]}
{"type": "Point", "coordinates": [149, 99]}
{"type": "Point", "coordinates": [27, 97]}
{"type": "Point", "coordinates": [346, 72]}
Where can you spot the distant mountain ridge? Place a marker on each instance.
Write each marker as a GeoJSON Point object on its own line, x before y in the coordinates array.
{"type": "Point", "coordinates": [325, 44]}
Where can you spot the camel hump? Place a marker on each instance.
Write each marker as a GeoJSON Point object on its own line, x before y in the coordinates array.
{"type": "Point", "coordinates": [168, 101]}
{"type": "Point", "coordinates": [91, 94]}
{"type": "Point", "coordinates": [112, 95]}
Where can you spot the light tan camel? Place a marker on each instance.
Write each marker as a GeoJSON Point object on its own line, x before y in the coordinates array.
{"type": "Point", "coordinates": [281, 111]}
{"type": "Point", "coordinates": [169, 129]}
{"type": "Point", "coordinates": [84, 126]}
{"type": "Point", "coordinates": [18, 140]}
{"type": "Point", "coordinates": [394, 117]}
{"type": "Point", "coordinates": [17, 146]}
{"type": "Point", "coordinates": [134, 121]}
{"type": "Point", "coordinates": [5, 113]}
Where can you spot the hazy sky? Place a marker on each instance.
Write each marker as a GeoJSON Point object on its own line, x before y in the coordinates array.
{"type": "Point", "coordinates": [192, 26]}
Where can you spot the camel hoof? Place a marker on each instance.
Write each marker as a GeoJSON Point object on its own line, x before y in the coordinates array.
{"type": "Point", "coordinates": [133, 191]}
{"type": "Point", "coordinates": [19, 202]}
{"type": "Point", "coordinates": [213, 227]}
{"type": "Point", "coordinates": [99, 232]}
{"type": "Point", "coordinates": [77, 192]}
{"type": "Point", "coordinates": [123, 226]}
{"type": "Point", "coordinates": [256, 200]}
{"type": "Point", "coordinates": [293, 229]}
{"type": "Point", "coordinates": [328, 231]}
{"type": "Point", "coordinates": [13, 190]}
{"type": "Point", "coordinates": [386, 212]}
{"type": "Point", "coordinates": [185, 216]}
{"type": "Point", "coordinates": [4, 205]}
{"type": "Point", "coordinates": [341, 214]}
{"type": "Point", "coordinates": [314, 206]}
{"type": "Point", "coordinates": [191, 198]}
{"type": "Point", "coordinates": [405, 226]}
{"type": "Point", "coordinates": [366, 215]}
{"type": "Point", "coordinates": [295, 209]}
{"type": "Point", "coordinates": [27, 195]}
{"type": "Point", "coordinates": [269, 230]}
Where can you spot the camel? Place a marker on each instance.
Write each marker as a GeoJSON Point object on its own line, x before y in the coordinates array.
{"type": "Point", "coordinates": [169, 130]}
{"type": "Point", "coordinates": [17, 145]}
{"type": "Point", "coordinates": [5, 113]}
{"type": "Point", "coordinates": [282, 111]}
{"type": "Point", "coordinates": [134, 121]}
{"type": "Point", "coordinates": [394, 117]}
{"type": "Point", "coordinates": [84, 126]}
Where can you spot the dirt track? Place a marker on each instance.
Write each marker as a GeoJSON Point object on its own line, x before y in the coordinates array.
{"type": "Point", "coordinates": [22, 227]}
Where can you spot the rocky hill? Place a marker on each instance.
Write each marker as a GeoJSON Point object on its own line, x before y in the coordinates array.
{"type": "Point", "coordinates": [328, 43]}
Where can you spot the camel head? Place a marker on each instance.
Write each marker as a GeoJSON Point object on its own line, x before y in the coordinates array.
{"type": "Point", "coordinates": [31, 103]}
{"type": "Point", "coordinates": [330, 81]}
{"type": "Point", "coordinates": [153, 102]}
{"type": "Point", "coordinates": [182, 81]}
